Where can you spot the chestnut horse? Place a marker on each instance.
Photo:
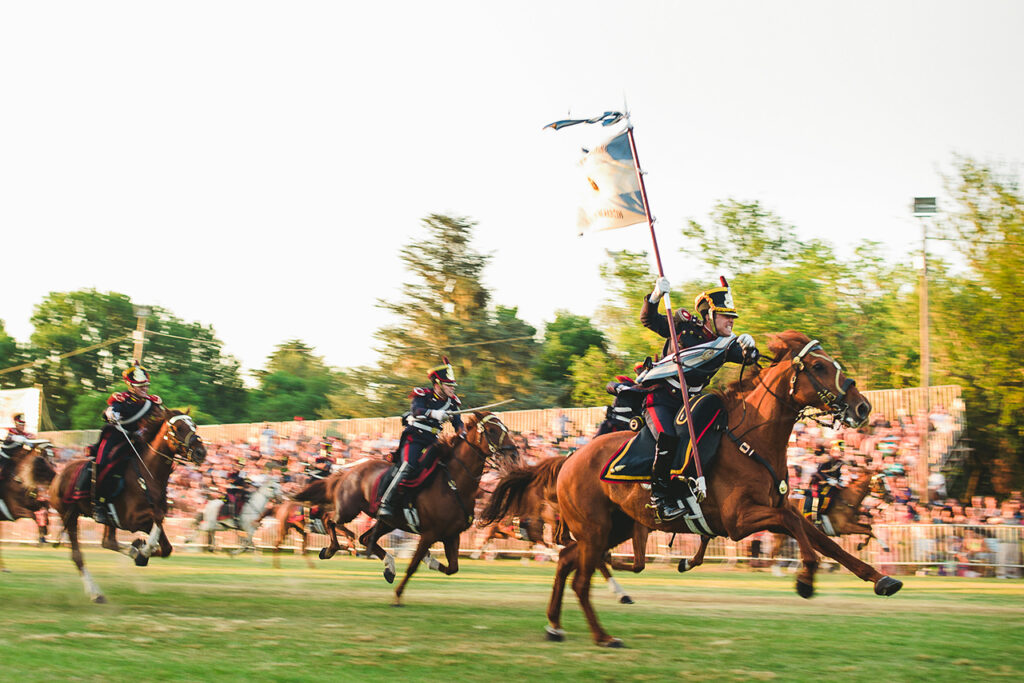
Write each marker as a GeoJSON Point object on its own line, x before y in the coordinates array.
{"type": "Point", "coordinates": [745, 493]}
{"type": "Point", "coordinates": [30, 474]}
{"type": "Point", "coordinates": [529, 493]}
{"type": "Point", "coordinates": [445, 504]}
{"type": "Point", "coordinates": [292, 514]}
{"type": "Point", "coordinates": [168, 437]}
{"type": "Point", "coordinates": [845, 513]}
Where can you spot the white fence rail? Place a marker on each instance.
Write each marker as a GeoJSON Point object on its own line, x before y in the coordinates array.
{"type": "Point", "coordinates": [944, 548]}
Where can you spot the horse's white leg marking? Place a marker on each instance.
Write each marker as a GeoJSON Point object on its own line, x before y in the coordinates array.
{"type": "Point", "coordinates": [153, 542]}
{"type": "Point", "coordinates": [615, 588]}
{"type": "Point", "coordinates": [389, 561]}
{"type": "Point", "coordinates": [92, 589]}
{"type": "Point", "coordinates": [431, 562]}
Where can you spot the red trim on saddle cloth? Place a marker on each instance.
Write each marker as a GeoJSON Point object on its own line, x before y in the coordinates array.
{"type": "Point", "coordinates": [608, 463]}
{"type": "Point", "coordinates": [73, 494]}
{"type": "Point", "coordinates": [420, 479]}
{"type": "Point", "coordinates": [689, 449]}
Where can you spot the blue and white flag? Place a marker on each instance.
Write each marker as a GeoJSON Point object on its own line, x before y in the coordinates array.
{"type": "Point", "coordinates": [611, 196]}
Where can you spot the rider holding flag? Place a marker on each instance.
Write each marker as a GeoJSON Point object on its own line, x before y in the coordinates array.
{"type": "Point", "coordinates": [707, 333]}
{"type": "Point", "coordinates": [429, 410]}
{"type": "Point", "coordinates": [125, 414]}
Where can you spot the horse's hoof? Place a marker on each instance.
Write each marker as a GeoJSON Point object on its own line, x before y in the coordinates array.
{"type": "Point", "coordinates": [614, 643]}
{"type": "Point", "coordinates": [141, 560]}
{"type": "Point", "coordinates": [626, 600]}
{"type": "Point", "coordinates": [806, 590]}
{"type": "Point", "coordinates": [5, 570]}
{"type": "Point", "coordinates": [99, 599]}
{"type": "Point", "coordinates": [887, 585]}
{"type": "Point", "coordinates": [684, 565]}
{"type": "Point", "coordinates": [323, 554]}
{"type": "Point", "coordinates": [555, 635]}
{"type": "Point", "coordinates": [389, 575]}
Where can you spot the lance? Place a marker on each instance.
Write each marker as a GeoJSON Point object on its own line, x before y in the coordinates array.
{"type": "Point", "coordinates": [701, 486]}
{"type": "Point", "coordinates": [489, 405]}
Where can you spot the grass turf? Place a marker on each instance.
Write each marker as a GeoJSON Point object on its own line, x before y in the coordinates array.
{"type": "Point", "coordinates": [195, 618]}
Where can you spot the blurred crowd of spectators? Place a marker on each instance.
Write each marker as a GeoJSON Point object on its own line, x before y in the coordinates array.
{"type": "Point", "coordinates": [889, 446]}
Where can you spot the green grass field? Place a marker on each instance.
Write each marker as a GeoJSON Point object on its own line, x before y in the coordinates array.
{"type": "Point", "coordinates": [207, 618]}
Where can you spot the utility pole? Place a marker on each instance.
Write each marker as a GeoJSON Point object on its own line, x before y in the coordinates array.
{"type": "Point", "coordinates": [924, 209]}
{"type": "Point", "coordinates": [139, 336]}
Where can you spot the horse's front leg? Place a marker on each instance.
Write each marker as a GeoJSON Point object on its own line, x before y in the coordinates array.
{"type": "Point", "coordinates": [761, 517]}
{"type": "Point", "coordinates": [451, 554]}
{"type": "Point", "coordinates": [884, 585]}
{"type": "Point", "coordinates": [373, 548]}
{"type": "Point", "coordinates": [141, 551]}
{"type": "Point", "coordinates": [421, 552]}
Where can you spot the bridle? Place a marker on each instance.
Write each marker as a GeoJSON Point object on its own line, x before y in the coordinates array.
{"type": "Point", "coordinates": [836, 405]}
{"type": "Point", "coordinates": [182, 448]}
{"type": "Point", "coordinates": [505, 444]}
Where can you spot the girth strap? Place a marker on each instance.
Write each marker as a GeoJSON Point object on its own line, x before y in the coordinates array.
{"type": "Point", "coordinates": [455, 491]}
{"type": "Point", "coordinates": [778, 485]}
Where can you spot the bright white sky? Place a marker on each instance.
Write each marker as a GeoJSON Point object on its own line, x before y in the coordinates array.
{"type": "Point", "coordinates": [257, 166]}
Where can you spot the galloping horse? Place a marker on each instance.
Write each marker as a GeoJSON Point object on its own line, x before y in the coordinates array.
{"type": "Point", "coordinates": [267, 489]}
{"type": "Point", "coordinates": [292, 515]}
{"type": "Point", "coordinates": [31, 471]}
{"type": "Point", "coordinates": [169, 436]}
{"type": "Point", "coordinates": [844, 516]}
{"type": "Point", "coordinates": [745, 493]}
{"type": "Point", "coordinates": [445, 505]}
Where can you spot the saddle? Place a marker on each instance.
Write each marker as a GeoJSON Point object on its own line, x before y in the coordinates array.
{"type": "Point", "coordinates": [634, 460]}
{"type": "Point", "coordinates": [81, 483]}
{"type": "Point", "coordinates": [411, 487]}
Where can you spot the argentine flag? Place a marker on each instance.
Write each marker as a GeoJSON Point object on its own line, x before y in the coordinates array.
{"type": "Point", "coordinates": [611, 195]}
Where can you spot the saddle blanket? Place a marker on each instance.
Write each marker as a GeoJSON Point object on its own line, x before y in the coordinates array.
{"type": "Point", "coordinates": [633, 461]}
{"type": "Point", "coordinates": [388, 475]}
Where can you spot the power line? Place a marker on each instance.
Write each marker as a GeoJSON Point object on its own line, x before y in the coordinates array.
{"type": "Point", "coordinates": [69, 354]}
{"type": "Point", "coordinates": [457, 346]}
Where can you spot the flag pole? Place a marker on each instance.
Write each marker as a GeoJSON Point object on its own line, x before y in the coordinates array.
{"type": "Point", "coordinates": [701, 491]}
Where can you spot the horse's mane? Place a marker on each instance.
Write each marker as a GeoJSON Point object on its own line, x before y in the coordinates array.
{"type": "Point", "coordinates": [782, 345]}
{"type": "Point", "coordinates": [153, 424]}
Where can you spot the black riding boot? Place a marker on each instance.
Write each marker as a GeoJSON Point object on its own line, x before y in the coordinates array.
{"type": "Point", "coordinates": [100, 510]}
{"type": "Point", "coordinates": [665, 505]}
{"type": "Point", "coordinates": [391, 502]}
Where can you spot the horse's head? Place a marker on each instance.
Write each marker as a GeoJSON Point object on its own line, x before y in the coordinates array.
{"type": "Point", "coordinates": [34, 470]}
{"type": "Point", "coordinates": [818, 380]}
{"type": "Point", "coordinates": [182, 438]}
{"type": "Point", "coordinates": [486, 433]}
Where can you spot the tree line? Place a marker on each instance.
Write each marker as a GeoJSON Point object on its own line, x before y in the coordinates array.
{"type": "Point", "coordinates": [863, 308]}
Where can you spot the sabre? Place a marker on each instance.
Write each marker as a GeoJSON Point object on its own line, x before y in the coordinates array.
{"type": "Point", "coordinates": [489, 405]}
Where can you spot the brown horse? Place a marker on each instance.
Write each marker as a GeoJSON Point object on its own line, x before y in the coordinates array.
{"type": "Point", "coordinates": [745, 493]}
{"type": "Point", "coordinates": [23, 494]}
{"type": "Point", "coordinates": [844, 516]}
{"type": "Point", "coordinates": [444, 505]}
{"type": "Point", "coordinates": [169, 436]}
{"type": "Point", "coordinates": [293, 515]}
{"type": "Point", "coordinates": [530, 493]}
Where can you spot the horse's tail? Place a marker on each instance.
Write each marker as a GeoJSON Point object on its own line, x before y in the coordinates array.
{"type": "Point", "coordinates": [511, 491]}
{"type": "Point", "coordinates": [314, 492]}
{"type": "Point", "coordinates": [547, 474]}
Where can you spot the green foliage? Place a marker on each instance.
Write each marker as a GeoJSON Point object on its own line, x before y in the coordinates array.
{"type": "Point", "coordinates": [296, 382]}
{"type": "Point", "coordinates": [628, 278]}
{"type": "Point", "coordinates": [187, 352]}
{"type": "Point", "coordinates": [9, 357]}
{"type": "Point", "coordinates": [445, 310]}
{"type": "Point", "coordinates": [978, 318]}
{"type": "Point", "coordinates": [590, 373]}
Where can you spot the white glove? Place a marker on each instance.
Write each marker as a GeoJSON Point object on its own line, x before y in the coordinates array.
{"type": "Point", "coordinates": [111, 415]}
{"type": "Point", "coordinates": [438, 415]}
{"type": "Point", "coordinates": [661, 288]}
{"type": "Point", "coordinates": [832, 481]}
{"type": "Point", "coordinates": [745, 341]}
